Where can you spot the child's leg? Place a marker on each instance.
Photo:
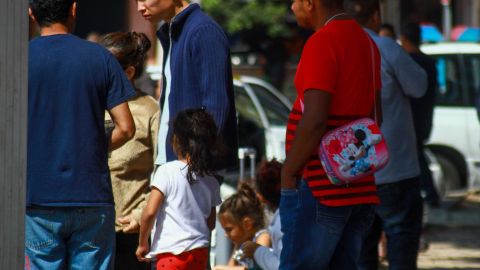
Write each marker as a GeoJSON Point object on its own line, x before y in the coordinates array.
{"type": "Point", "coordinates": [195, 259]}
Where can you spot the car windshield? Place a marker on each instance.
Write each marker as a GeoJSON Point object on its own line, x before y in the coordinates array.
{"type": "Point", "coordinates": [277, 113]}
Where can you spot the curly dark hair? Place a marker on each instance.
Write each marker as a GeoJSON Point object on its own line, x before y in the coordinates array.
{"type": "Point", "coordinates": [267, 182]}
{"type": "Point", "coordinates": [242, 204]}
{"type": "Point", "coordinates": [196, 136]}
{"type": "Point", "coordinates": [130, 49]}
{"type": "Point", "coordinates": [48, 12]}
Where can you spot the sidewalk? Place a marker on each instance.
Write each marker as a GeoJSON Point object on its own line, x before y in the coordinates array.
{"type": "Point", "coordinates": [453, 233]}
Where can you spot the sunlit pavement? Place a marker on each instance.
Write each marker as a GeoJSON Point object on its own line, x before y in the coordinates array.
{"type": "Point", "coordinates": [453, 234]}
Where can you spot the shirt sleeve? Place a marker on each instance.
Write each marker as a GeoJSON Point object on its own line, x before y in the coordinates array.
{"type": "Point", "coordinates": [154, 125]}
{"type": "Point", "coordinates": [319, 65]}
{"type": "Point", "coordinates": [213, 67]}
{"type": "Point", "coordinates": [119, 88]}
{"type": "Point", "coordinates": [162, 180]}
{"type": "Point", "coordinates": [411, 77]}
{"type": "Point", "coordinates": [266, 259]}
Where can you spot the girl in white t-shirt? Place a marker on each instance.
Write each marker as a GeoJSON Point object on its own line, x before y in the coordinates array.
{"type": "Point", "coordinates": [180, 212]}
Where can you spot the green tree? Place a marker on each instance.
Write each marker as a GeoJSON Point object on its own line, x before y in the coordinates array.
{"type": "Point", "coordinates": [240, 16]}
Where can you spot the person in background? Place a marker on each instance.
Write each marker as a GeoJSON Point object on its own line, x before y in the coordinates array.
{"type": "Point", "coordinates": [197, 72]}
{"type": "Point", "coordinates": [132, 164]}
{"type": "Point", "coordinates": [422, 108]}
{"type": "Point", "coordinates": [94, 37]}
{"type": "Point", "coordinates": [70, 217]}
{"type": "Point", "coordinates": [243, 219]}
{"type": "Point", "coordinates": [387, 30]}
{"type": "Point", "coordinates": [180, 213]}
{"type": "Point", "coordinates": [400, 211]}
{"type": "Point", "coordinates": [337, 81]}
{"type": "Point", "coordinates": [267, 183]}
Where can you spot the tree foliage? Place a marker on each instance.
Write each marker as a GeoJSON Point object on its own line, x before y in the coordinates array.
{"type": "Point", "coordinates": [237, 16]}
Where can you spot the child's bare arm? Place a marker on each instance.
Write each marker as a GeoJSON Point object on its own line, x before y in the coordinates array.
{"type": "Point", "coordinates": [264, 239]}
{"type": "Point", "coordinates": [149, 213]}
{"type": "Point", "coordinates": [211, 219]}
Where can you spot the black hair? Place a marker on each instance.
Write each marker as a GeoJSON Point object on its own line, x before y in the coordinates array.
{"type": "Point", "coordinates": [361, 10]}
{"type": "Point", "coordinates": [267, 182]}
{"type": "Point", "coordinates": [130, 49]}
{"type": "Point", "coordinates": [196, 136]}
{"type": "Point", "coordinates": [242, 204]}
{"type": "Point", "coordinates": [411, 31]}
{"type": "Point", "coordinates": [390, 28]}
{"type": "Point", "coordinates": [332, 3]}
{"type": "Point", "coordinates": [48, 12]}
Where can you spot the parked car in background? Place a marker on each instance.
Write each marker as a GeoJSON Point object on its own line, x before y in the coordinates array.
{"type": "Point", "coordinates": [262, 113]}
{"type": "Point", "coordinates": [455, 138]}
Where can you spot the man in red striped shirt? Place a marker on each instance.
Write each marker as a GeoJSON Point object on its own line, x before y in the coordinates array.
{"type": "Point", "coordinates": [323, 224]}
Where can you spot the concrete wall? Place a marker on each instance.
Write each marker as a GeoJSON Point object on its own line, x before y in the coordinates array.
{"type": "Point", "coordinates": [13, 130]}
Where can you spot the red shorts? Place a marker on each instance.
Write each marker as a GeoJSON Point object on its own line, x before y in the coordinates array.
{"type": "Point", "coordinates": [195, 259]}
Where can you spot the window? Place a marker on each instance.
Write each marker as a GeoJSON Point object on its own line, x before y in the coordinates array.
{"type": "Point", "coordinates": [277, 113]}
{"type": "Point", "coordinates": [449, 81]}
{"type": "Point", "coordinates": [251, 132]}
{"type": "Point", "coordinates": [472, 73]}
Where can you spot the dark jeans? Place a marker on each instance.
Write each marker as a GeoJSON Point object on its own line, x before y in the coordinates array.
{"type": "Point", "coordinates": [400, 216]}
{"type": "Point", "coordinates": [426, 180]}
{"type": "Point", "coordinates": [125, 258]}
{"type": "Point", "coordinates": [320, 237]}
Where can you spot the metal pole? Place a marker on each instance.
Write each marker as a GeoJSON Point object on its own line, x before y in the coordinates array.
{"type": "Point", "coordinates": [13, 131]}
{"type": "Point", "coordinates": [446, 19]}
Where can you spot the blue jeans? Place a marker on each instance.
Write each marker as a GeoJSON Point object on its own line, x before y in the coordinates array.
{"type": "Point", "coordinates": [320, 237]}
{"type": "Point", "coordinates": [426, 179]}
{"type": "Point", "coordinates": [399, 215]}
{"type": "Point", "coordinates": [70, 237]}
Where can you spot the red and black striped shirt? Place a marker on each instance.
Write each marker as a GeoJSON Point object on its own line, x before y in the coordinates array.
{"type": "Point", "coordinates": [337, 59]}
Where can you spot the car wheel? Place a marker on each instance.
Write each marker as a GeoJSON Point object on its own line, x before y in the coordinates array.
{"type": "Point", "coordinates": [451, 176]}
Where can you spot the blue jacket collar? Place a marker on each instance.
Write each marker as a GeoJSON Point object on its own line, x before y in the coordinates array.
{"type": "Point", "coordinates": [177, 22]}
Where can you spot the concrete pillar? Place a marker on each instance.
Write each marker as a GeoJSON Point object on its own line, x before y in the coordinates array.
{"type": "Point", "coordinates": [13, 130]}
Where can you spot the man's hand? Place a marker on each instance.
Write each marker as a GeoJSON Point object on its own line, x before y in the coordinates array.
{"type": "Point", "coordinates": [249, 248]}
{"type": "Point", "coordinates": [130, 225]}
{"type": "Point", "coordinates": [287, 181]}
{"type": "Point", "coordinates": [142, 250]}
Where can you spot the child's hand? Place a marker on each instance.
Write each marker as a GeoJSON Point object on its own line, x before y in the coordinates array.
{"type": "Point", "coordinates": [130, 225]}
{"type": "Point", "coordinates": [142, 250]}
{"type": "Point", "coordinates": [249, 248]}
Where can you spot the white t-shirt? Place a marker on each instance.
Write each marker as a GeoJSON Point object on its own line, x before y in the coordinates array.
{"type": "Point", "coordinates": [181, 223]}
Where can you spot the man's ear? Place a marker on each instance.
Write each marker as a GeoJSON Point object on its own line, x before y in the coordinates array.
{"type": "Point", "coordinates": [130, 71]}
{"type": "Point", "coordinates": [30, 13]}
{"type": "Point", "coordinates": [310, 4]}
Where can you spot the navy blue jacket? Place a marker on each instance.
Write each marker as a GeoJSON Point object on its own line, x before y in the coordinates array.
{"type": "Point", "coordinates": [201, 74]}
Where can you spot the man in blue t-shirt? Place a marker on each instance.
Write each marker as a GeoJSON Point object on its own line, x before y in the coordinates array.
{"type": "Point", "coordinates": [70, 214]}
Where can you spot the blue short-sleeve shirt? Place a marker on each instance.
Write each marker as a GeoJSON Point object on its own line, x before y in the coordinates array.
{"type": "Point", "coordinates": [71, 84]}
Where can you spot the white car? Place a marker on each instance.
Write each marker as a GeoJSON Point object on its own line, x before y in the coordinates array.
{"type": "Point", "coordinates": [455, 138]}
